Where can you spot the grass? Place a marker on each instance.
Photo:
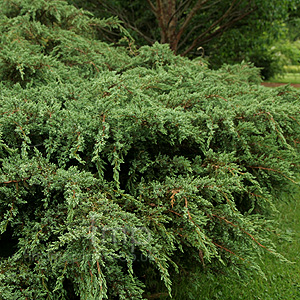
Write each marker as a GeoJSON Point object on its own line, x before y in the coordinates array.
{"type": "Point", "coordinates": [287, 78]}
{"type": "Point", "coordinates": [282, 280]}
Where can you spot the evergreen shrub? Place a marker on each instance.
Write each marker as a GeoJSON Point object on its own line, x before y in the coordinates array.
{"type": "Point", "coordinates": [120, 168]}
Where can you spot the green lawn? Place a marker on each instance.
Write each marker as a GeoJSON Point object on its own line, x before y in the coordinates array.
{"type": "Point", "coordinates": [287, 78]}
{"type": "Point", "coordinates": [282, 280]}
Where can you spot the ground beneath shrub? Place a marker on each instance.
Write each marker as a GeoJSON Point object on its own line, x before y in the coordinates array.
{"type": "Point", "coordinates": [275, 84]}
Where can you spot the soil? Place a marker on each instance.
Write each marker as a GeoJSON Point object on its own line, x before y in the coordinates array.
{"type": "Point", "coordinates": [275, 84]}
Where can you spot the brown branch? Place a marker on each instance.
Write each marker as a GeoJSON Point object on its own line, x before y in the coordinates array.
{"type": "Point", "coordinates": [226, 26]}
{"type": "Point", "coordinates": [186, 205]}
{"type": "Point", "coordinates": [236, 226]}
{"type": "Point", "coordinates": [147, 38]}
{"type": "Point", "coordinates": [180, 6]}
{"type": "Point", "coordinates": [215, 96]}
{"type": "Point", "coordinates": [153, 8]}
{"type": "Point", "coordinates": [156, 296]}
{"type": "Point", "coordinates": [174, 192]}
{"type": "Point", "coordinates": [220, 29]}
{"type": "Point", "coordinates": [170, 210]}
{"type": "Point", "coordinates": [188, 35]}
{"type": "Point", "coordinates": [189, 17]}
{"type": "Point", "coordinates": [14, 181]}
{"type": "Point", "coordinates": [123, 17]}
{"type": "Point", "coordinates": [159, 16]}
{"type": "Point", "coordinates": [274, 170]}
{"type": "Point", "coordinates": [217, 22]}
{"type": "Point", "coordinates": [127, 23]}
{"type": "Point", "coordinates": [227, 250]}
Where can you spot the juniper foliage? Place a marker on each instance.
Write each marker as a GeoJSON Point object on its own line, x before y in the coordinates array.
{"type": "Point", "coordinates": [118, 166]}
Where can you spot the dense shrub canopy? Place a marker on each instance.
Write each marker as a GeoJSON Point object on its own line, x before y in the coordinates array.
{"type": "Point", "coordinates": [120, 166]}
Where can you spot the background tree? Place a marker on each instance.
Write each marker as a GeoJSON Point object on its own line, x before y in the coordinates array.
{"type": "Point", "coordinates": [228, 31]}
{"type": "Point", "coordinates": [293, 23]}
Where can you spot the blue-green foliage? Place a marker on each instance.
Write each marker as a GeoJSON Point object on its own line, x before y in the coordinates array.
{"type": "Point", "coordinates": [117, 163]}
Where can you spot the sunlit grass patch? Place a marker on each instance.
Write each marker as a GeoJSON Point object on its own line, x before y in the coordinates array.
{"type": "Point", "coordinates": [281, 278]}
{"type": "Point", "coordinates": [287, 78]}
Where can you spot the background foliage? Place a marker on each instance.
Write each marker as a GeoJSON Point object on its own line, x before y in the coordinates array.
{"type": "Point", "coordinates": [123, 167]}
{"type": "Point", "coordinates": [223, 31]}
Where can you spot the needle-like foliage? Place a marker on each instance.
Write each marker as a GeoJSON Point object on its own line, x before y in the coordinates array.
{"type": "Point", "coordinates": [120, 166]}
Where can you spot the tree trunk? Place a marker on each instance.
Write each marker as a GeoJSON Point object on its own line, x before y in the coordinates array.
{"type": "Point", "coordinates": [166, 16]}
{"type": "Point", "coordinates": [176, 21]}
{"type": "Point", "coordinates": [166, 13]}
